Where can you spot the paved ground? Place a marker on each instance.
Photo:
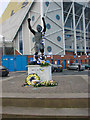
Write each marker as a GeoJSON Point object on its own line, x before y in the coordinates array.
{"type": "Point", "coordinates": [68, 82]}
{"type": "Point", "coordinates": [72, 91]}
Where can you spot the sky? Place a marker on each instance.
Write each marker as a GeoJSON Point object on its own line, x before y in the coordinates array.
{"type": "Point", "coordinates": [3, 5]}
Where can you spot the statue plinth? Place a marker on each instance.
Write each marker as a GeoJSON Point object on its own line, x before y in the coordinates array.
{"type": "Point", "coordinates": [43, 72]}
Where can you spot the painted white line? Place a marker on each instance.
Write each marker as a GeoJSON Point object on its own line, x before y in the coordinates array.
{"type": "Point", "coordinates": [9, 78]}
{"type": "Point", "coordinates": [85, 78]}
{"type": "Point", "coordinates": [69, 75]}
{"type": "Point", "coordinates": [17, 71]}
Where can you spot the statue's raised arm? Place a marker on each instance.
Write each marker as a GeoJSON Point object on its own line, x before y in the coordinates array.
{"type": "Point", "coordinates": [29, 26]}
{"type": "Point", "coordinates": [44, 30]}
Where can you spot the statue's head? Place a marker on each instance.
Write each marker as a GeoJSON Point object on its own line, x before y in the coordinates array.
{"type": "Point", "coordinates": [39, 28]}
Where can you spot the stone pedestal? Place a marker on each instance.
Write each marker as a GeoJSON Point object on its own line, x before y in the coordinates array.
{"type": "Point", "coordinates": [43, 72]}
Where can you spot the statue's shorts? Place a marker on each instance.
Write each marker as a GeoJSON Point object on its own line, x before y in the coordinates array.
{"type": "Point", "coordinates": [39, 46]}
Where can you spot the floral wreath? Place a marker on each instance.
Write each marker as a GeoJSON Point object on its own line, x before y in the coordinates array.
{"type": "Point", "coordinates": [31, 77]}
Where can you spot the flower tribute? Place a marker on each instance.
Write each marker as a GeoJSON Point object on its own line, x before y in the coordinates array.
{"type": "Point", "coordinates": [34, 80]}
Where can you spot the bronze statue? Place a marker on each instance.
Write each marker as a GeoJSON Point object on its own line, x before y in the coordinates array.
{"type": "Point", "coordinates": [38, 38]}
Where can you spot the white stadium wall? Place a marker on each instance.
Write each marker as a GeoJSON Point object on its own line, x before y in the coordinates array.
{"type": "Point", "coordinates": [54, 33]}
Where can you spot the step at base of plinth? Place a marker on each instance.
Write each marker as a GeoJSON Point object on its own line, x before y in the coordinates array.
{"type": "Point", "coordinates": [46, 102]}
{"type": "Point", "coordinates": [27, 112]}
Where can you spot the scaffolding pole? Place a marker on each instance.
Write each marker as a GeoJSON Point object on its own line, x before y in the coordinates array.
{"type": "Point", "coordinates": [68, 14]}
{"type": "Point", "coordinates": [63, 28]}
{"type": "Point", "coordinates": [84, 30]}
{"type": "Point", "coordinates": [74, 28]}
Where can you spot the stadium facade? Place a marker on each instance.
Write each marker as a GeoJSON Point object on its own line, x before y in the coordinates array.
{"type": "Point", "coordinates": [68, 27]}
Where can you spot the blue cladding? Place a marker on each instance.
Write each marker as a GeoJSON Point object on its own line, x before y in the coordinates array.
{"type": "Point", "coordinates": [64, 64]}
{"type": "Point", "coordinates": [58, 62]}
{"type": "Point", "coordinates": [18, 63]}
{"type": "Point", "coordinates": [21, 63]}
{"type": "Point", "coordinates": [5, 61]}
{"type": "Point", "coordinates": [85, 61]}
{"type": "Point", "coordinates": [51, 61]}
{"type": "Point", "coordinates": [8, 62]}
{"type": "Point", "coordinates": [15, 63]}
{"type": "Point", "coordinates": [11, 64]}
{"type": "Point", "coordinates": [30, 59]}
{"type": "Point", "coordinates": [24, 63]}
{"type": "Point", "coordinates": [81, 61]}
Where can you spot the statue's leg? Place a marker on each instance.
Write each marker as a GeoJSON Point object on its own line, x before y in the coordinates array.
{"type": "Point", "coordinates": [42, 52]}
{"type": "Point", "coordinates": [36, 51]}
{"type": "Point", "coordinates": [36, 56]}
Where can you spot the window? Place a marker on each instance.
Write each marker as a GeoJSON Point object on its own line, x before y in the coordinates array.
{"type": "Point", "coordinates": [12, 12]}
{"type": "Point", "coordinates": [33, 39]}
{"type": "Point", "coordinates": [33, 18]}
{"type": "Point", "coordinates": [77, 47]}
{"type": "Point", "coordinates": [87, 39]}
{"type": "Point", "coordinates": [20, 40]}
{"type": "Point", "coordinates": [47, 3]}
{"type": "Point", "coordinates": [66, 46]}
{"type": "Point", "coordinates": [48, 26]}
{"type": "Point", "coordinates": [67, 36]}
{"type": "Point", "coordinates": [57, 17]}
{"type": "Point", "coordinates": [59, 38]}
{"type": "Point", "coordinates": [20, 46]}
{"type": "Point", "coordinates": [78, 38]}
{"type": "Point", "coordinates": [49, 48]}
